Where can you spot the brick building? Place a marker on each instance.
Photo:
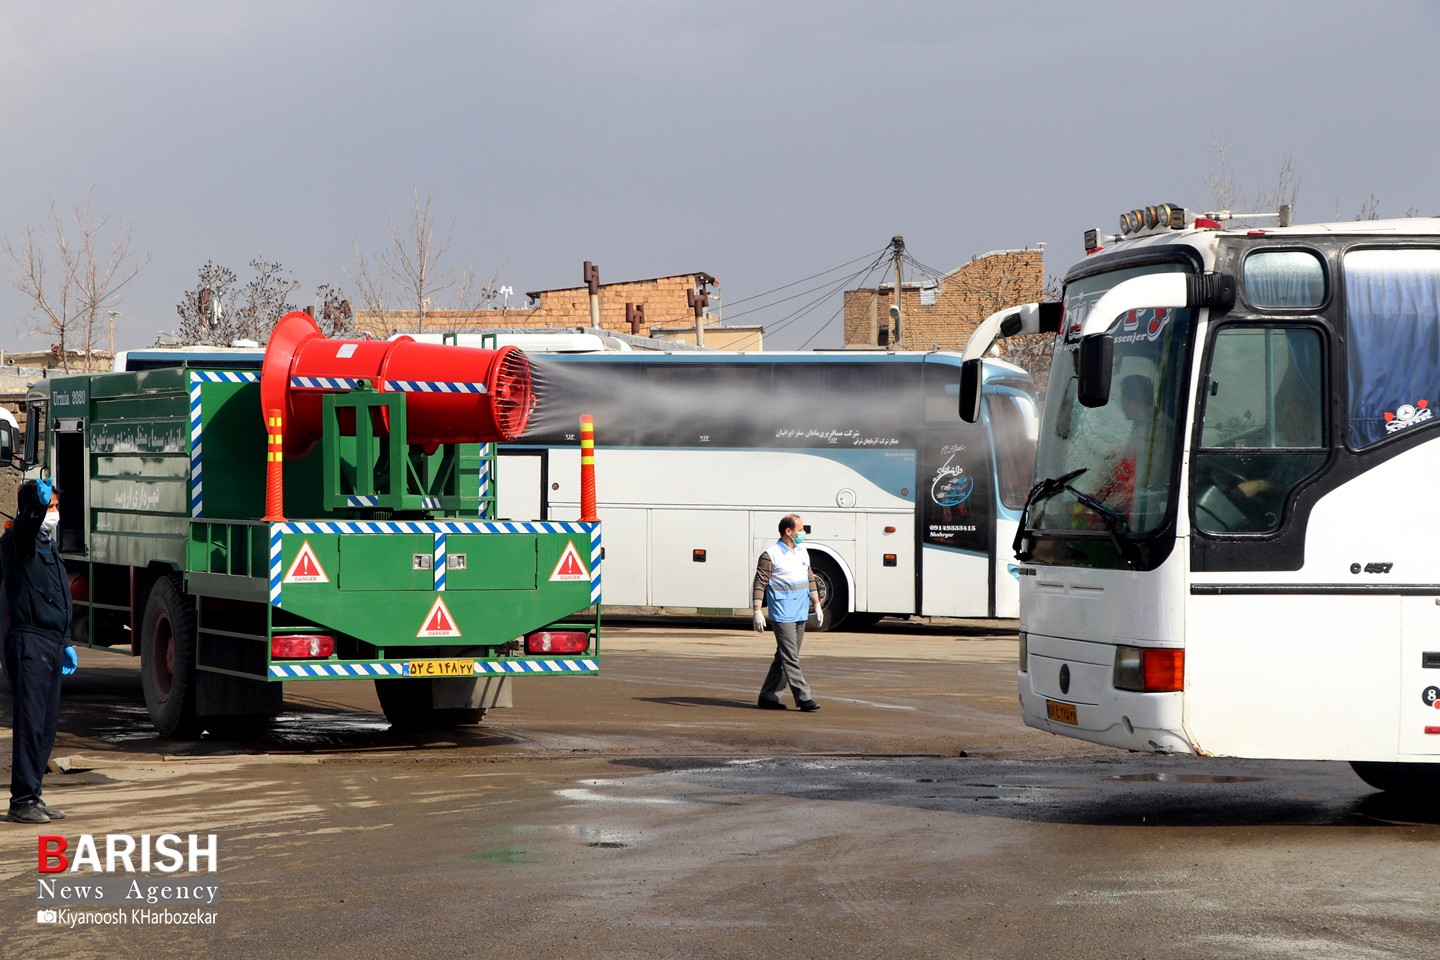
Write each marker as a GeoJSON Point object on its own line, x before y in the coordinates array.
{"type": "Point", "coordinates": [668, 314]}
{"type": "Point", "coordinates": [943, 313]}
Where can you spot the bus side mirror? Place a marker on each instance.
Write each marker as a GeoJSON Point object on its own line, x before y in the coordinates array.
{"type": "Point", "coordinates": [1097, 361]}
{"type": "Point", "coordinates": [7, 443]}
{"type": "Point", "coordinates": [970, 377]}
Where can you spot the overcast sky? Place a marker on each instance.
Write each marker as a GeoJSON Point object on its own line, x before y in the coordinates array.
{"type": "Point", "coordinates": [762, 142]}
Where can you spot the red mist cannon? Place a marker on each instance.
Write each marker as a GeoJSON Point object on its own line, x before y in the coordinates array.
{"type": "Point", "coordinates": [386, 405]}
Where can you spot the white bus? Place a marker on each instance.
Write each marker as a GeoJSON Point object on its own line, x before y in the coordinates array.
{"type": "Point", "coordinates": [1230, 550]}
{"type": "Point", "coordinates": [910, 510]}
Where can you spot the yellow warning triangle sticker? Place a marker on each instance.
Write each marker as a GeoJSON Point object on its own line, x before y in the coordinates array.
{"type": "Point", "coordinates": [570, 567]}
{"type": "Point", "coordinates": [438, 622]}
{"type": "Point", "coordinates": [306, 568]}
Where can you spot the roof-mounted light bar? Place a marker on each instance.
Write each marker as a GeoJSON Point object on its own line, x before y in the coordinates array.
{"type": "Point", "coordinates": [1171, 216]}
{"type": "Point", "coordinates": [1164, 216]}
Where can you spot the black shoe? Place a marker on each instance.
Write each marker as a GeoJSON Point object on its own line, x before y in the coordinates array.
{"type": "Point", "coordinates": [764, 704]}
{"type": "Point", "coordinates": [27, 813]}
{"type": "Point", "coordinates": [48, 810]}
{"type": "Point", "coordinates": [808, 706]}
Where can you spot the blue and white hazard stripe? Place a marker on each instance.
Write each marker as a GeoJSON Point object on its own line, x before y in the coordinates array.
{"type": "Point", "coordinates": [434, 386]}
{"type": "Point", "coordinates": [440, 561]}
{"type": "Point", "coordinates": [436, 526]}
{"type": "Point", "coordinates": [275, 575]}
{"type": "Point", "coordinates": [596, 552]}
{"type": "Point", "coordinates": [324, 383]}
{"type": "Point", "coordinates": [485, 449]}
{"type": "Point", "coordinates": [505, 668]}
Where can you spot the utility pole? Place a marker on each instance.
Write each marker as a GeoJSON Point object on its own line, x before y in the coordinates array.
{"type": "Point", "coordinates": [897, 245]}
{"type": "Point", "coordinates": [592, 283]}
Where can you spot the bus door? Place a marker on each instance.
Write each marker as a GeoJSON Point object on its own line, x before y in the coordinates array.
{"type": "Point", "coordinates": [1263, 602]}
{"type": "Point", "coordinates": [955, 506]}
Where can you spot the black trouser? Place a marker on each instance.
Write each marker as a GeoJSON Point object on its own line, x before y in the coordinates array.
{"type": "Point", "coordinates": [32, 662]}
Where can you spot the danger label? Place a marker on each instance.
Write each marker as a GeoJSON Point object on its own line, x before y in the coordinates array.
{"type": "Point", "coordinates": [570, 567]}
{"type": "Point", "coordinates": [306, 568]}
{"type": "Point", "coordinates": [438, 622]}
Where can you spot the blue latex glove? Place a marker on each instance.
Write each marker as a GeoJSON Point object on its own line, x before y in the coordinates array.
{"type": "Point", "coordinates": [71, 662]}
{"type": "Point", "coordinates": [43, 487]}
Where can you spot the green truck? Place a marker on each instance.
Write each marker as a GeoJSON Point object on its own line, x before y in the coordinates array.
{"type": "Point", "coordinates": [328, 514]}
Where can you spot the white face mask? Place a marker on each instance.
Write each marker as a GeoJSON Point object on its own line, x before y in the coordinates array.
{"type": "Point", "coordinates": [51, 521]}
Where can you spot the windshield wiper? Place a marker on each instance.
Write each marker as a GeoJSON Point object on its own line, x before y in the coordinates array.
{"type": "Point", "coordinates": [1043, 490]}
{"type": "Point", "coordinates": [1114, 522]}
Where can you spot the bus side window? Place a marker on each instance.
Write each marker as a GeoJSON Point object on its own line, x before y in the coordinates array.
{"type": "Point", "coordinates": [1391, 299]}
{"type": "Point", "coordinates": [1263, 427]}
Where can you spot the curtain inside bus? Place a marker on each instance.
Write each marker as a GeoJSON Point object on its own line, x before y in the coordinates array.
{"type": "Point", "coordinates": [1393, 327]}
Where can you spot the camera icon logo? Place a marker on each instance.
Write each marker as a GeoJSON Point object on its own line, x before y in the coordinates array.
{"type": "Point", "coordinates": [47, 916]}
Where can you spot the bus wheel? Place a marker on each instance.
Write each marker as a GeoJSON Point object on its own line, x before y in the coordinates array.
{"type": "Point", "coordinates": [833, 599]}
{"type": "Point", "coordinates": [409, 706]}
{"type": "Point", "coordinates": [167, 659]}
{"type": "Point", "coordinates": [1417, 779]}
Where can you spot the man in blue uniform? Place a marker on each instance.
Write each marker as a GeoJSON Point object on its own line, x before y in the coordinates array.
{"type": "Point", "coordinates": [785, 583]}
{"type": "Point", "coordinates": [37, 650]}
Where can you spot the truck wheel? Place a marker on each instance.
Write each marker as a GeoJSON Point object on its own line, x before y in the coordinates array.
{"type": "Point", "coordinates": [167, 659]}
{"type": "Point", "coordinates": [833, 596]}
{"type": "Point", "coordinates": [407, 704]}
{"type": "Point", "coordinates": [1420, 780]}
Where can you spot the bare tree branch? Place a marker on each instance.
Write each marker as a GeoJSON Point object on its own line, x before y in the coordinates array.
{"type": "Point", "coordinates": [244, 313]}
{"type": "Point", "coordinates": [400, 286]}
{"type": "Point", "coordinates": [68, 304]}
{"type": "Point", "coordinates": [1225, 194]}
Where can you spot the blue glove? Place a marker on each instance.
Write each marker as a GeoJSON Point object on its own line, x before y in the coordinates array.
{"type": "Point", "coordinates": [71, 662]}
{"type": "Point", "coordinates": [43, 487]}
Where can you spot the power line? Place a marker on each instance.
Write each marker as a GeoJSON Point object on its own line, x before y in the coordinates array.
{"type": "Point", "coordinates": [829, 292]}
{"type": "Point", "coordinates": [728, 304]}
{"type": "Point", "coordinates": [826, 325]}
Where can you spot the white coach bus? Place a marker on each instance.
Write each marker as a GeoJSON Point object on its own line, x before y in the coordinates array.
{"type": "Point", "coordinates": [1229, 550]}
{"type": "Point", "coordinates": [910, 510]}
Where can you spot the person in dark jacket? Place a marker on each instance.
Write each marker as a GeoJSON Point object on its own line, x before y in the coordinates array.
{"type": "Point", "coordinates": [37, 649]}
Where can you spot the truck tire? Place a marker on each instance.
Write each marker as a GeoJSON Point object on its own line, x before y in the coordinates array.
{"type": "Point", "coordinates": [167, 659]}
{"type": "Point", "coordinates": [409, 706]}
{"type": "Point", "coordinates": [834, 597]}
{"type": "Point", "coordinates": [1418, 780]}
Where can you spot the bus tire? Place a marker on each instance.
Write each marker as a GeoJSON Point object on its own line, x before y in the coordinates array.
{"type": "Point", "coordinates": [167, 659]}
{"type": "Point", "coordinates": [834, 596]}
{"type": "Point", "coordinates": [1416, 779]}
{"type": "Point", "coordinates": [409, 706]}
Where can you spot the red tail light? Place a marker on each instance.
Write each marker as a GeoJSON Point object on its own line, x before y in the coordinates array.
{"type": "Point", "coordinates": [1164, 670]}
{"type": "Point", "coordinates": [302, 646]}
{"type": "Point", "coordinates": [557, 641]}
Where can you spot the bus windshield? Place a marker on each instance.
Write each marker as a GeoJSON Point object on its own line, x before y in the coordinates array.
{"type": "Point", "coordinates": [1107, 473]}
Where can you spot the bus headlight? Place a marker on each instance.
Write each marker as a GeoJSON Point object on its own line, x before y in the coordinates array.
{"type": "Point", "coordinates": [1149, 670]}
{"type": "Point", "coordinates": [1024, 652]}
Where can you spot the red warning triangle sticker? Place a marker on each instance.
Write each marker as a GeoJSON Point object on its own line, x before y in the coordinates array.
{"type": "Point", "coordinates": [306, 568]}
{"type": "Point", "coordinates": [570, 567]}
{"type": "Point", "coordinates": [438, 622]}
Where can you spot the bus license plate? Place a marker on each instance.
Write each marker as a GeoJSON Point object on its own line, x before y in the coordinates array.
{"type": "Point", "coordinates": [442, 668]}
{"type": "Point", "coordinates": [1061, 712]}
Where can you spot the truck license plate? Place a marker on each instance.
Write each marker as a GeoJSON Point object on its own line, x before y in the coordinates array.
{"type": "Point", "coordinates": [442, 668]}
{"type": "Point", "coordinates": [1061, 712]}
